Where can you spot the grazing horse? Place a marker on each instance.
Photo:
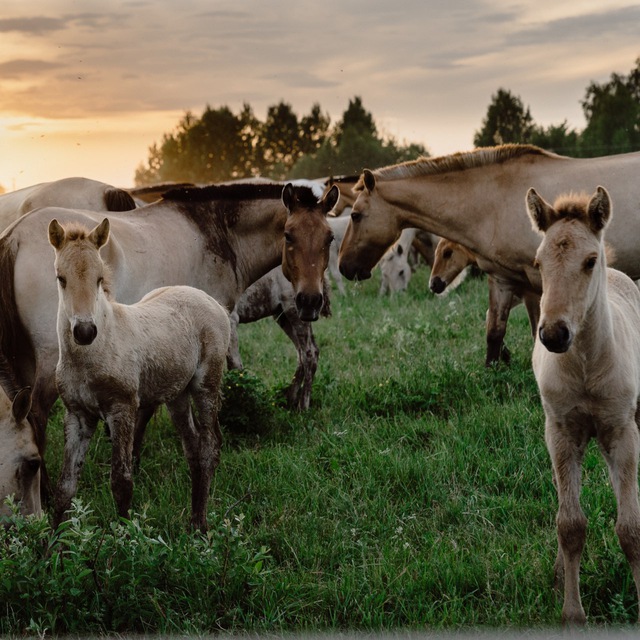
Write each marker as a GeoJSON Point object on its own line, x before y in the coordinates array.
{"type": "Point", "coordinates": [19, 455]}
{"type": "Point", "coordinates": [118, 361]}
{"type": "Point", "coordinates": [273, 296]}
{"type": "Point", "coordinates": [586, 361]}
{"type": "Point", "coordinates": [475, 198]}
{"type": "Point", "coordinates": [219, 239]}
{"type": "Point", "coordinates": [75, 193]}
{"type": "Point", "coordinates": [449, 269]}
{"type": "Point", "coordinates": [395, 269]}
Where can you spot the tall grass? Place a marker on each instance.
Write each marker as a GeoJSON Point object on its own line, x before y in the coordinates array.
{"type": "Point", "coordinates": [415, 493]}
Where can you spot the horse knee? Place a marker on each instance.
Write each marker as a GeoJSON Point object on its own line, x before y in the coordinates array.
{"type": "Point", "coordinates": [572, 532]}
{"type": "Point", "coordinates": [629, 536]}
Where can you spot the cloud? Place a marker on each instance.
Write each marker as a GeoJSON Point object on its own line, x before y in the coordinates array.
{"type": "Point", "coordinates": [34, 26]}
{"type": "Point", "coordinates": [26, 69]}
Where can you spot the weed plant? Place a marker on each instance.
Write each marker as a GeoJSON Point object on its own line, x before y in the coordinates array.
{"type": "Point", "coordinates": [415, 494]}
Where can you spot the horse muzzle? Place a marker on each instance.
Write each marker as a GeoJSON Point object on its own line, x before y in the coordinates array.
{"type": "Point", "coordinates": [309, 306]}
{"type": "Point", "coordinates": [351, 272]}
{"type": "Point", "coordinates": [84, 332]}
{"type": "Point", "coordinates": [556, 337]}
{"type": "Point", "coordinates": [437, 284]}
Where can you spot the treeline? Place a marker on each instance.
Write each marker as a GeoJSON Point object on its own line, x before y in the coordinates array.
{"type": "Point", "coordinates": [221, 145]}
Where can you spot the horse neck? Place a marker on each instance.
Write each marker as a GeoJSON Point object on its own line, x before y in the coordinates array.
{"type": "Point", "coordinates": [468, 207]}
{"type": "Point", "coordinates": [258, 240]}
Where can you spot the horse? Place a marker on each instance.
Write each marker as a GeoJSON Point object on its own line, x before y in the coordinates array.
{"type": "Point", "coordinates": [273, 296]}
{"type": "Point", "coordinates": [20, 458]}
{"type": "Point", "coordinates": [475, 199]}
{"type": "Point", "coordinates": [219, 239]}
{"type": "Point", "coordinates": [395, 269]}
{"type": "Point", "coordinates": [586, 361]}
{"type": "Point", "coordinates": [81, 193]}
{"type": "Point", "coordinates": [338, 226]}
{"type": "Point", "coordinates": [450, 266]}
{"type": "Point", "coordinates": [116, 361]}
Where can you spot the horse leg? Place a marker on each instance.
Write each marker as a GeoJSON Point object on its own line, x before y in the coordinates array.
{"type": "Point", "coordinates": [78, 431]}
{"type": "Point", "coordinates": [567, 452]}
{"type": "Point", "coordinates": [500, 301]}
{"type": "Point", "coordinates": [298, 394]}
{"type": "Point", "coordinates": [122, 424]}
{"type": "Point", "coordinates": [142, 420]}
{"type": "Point", "coordinates": [622, 459]}
{"type": "Point", "coordinates": [43, 397]}
{"type": "Point", "coordinates": [201, 440]}
{"type": "Point", "coordinates": [234, 360]}
{"type": "Point", "coordinates": [532, 305]}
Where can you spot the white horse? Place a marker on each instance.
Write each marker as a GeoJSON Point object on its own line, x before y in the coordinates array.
{"type": "Point", "coordinates": [117, 361]}
{"type": "Point", "coordinates": [586, 360]}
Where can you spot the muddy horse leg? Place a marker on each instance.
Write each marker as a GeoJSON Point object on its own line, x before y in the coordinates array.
{"type": "Point", "coordinates": [500, 301]}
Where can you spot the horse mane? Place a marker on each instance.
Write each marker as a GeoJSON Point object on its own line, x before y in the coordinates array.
{"type": "Point", "coordinates": [241, 191]}
{"type": "Point", "coordinates": [460, 161]}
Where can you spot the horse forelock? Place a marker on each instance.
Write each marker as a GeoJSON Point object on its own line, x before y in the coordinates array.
{"type": "Point", "coordinates": [571, 206]}
{"type": "Point", "coordinates": [460, 161]}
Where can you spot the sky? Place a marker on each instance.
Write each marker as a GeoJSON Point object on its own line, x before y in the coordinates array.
{"type": "Point", "coordinates": [86, 87]}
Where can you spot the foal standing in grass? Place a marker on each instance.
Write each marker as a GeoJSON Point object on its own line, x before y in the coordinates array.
{"type": "Point", "coordinates": [586, 360]}
{"type": "Point", "coordinates": [116, 361]}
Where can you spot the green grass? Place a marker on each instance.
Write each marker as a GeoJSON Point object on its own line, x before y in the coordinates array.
{"type": "Point", "coordinates": [415, 493]}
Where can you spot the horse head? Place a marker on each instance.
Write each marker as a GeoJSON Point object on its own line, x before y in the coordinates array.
{"type": "Point", "coordinates": [571, 259]}
{"type": "Point", "coordinates": [20, 458]}
{"type": "Point", "coordinates": [80, 273]}
{"type": "Point", "coordinates": [450, 260]}
{"type": "Point", "coordinates": [305, 254]}
{"type": "Point", "coordinates": [370, 233]}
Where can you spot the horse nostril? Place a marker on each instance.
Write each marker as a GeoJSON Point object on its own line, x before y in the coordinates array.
{"type": "Point", "coordinates": [557, 337]}
{"type": "Point", "coordinates": [309, 305]}
{"type": "Point", "coordinates": [85, 333]}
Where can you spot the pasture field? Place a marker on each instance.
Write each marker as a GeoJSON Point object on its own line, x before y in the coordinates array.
{"type": "Point", "coordinates": [416, 494]}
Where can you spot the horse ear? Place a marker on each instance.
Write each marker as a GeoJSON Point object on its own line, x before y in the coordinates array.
{"type": "Point", "coordinates": [331, 199]}
{"type": "Point", "coordinates": [599, 209]}
{"type": "Point", "coordinates": [369, 180]}
{"type": "Point", "coordinates": [21, 404]}
{"type": "Point", "coordinates": [56, 234]}
{"type": "Point", "coordinates": [288, 196]}
{"type": "Point", "coordinates": [539, 211]}
{"type": "Point", "coordinates": [100, 234]}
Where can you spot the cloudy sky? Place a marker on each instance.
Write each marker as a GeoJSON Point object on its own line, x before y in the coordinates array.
{"type": "Point", "coordinates": [87, 86]}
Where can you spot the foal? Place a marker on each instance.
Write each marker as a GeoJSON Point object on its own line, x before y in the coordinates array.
{"type": "Point", "coordinates": [116, 362]}
{"type": "Point", "coordinates": [586, 360]}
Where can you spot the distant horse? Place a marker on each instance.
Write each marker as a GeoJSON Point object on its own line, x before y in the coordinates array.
{"type": "Point", "coordinates": [586, 360]}
{"type": "Point", "coordinates": [475, 198]}
{"type": "Point", "coordinates": [273, 296]}
{"type": "Point", "coordinates": [75, 193]}
{"type": "Point", "coordinates": [20, 458]}
{"type": "Point", "coordinates": [395, 269]}
{"type": "Point", "coordinates": [118, 361]}
{"type": "Point", "coordinates": [219, 239]}
{"type": "Point", "coordinates": [450, 266]}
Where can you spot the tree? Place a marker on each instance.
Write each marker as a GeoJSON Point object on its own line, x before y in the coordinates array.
{"type": "Point", "coordinates": [506, 121]}
{"type": "Point", "coordinates": [557, 138]}
{"type": "Point", "coordinates": [612, 111]}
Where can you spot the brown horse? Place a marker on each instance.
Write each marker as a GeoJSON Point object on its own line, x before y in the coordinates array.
{"type": "Point", "coordinates": [451, 260]}
{"type": "Point", "coordinates": [586, 360]}
{"type": "Point", "coordinates": [219, 239]}
{"type": "Point", "coordinates": [118, 361]}
{"type": "Point", "coordinates": [475, 199]}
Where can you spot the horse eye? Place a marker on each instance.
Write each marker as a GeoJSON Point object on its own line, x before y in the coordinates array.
{"type": "Point", "coordinates": [62, 280]}
{"type": "Point", "coordinates": [355, 216]}
{"type": "Point", "coordinates": [288, 238]}
{"type": "Point", "coordinates": [31, 467]}
{"type": "Point", "coordinates": [447, 254]}
{"type": "Point", "coordinates": [590, 263]}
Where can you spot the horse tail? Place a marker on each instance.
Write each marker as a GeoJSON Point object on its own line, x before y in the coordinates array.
{"type": "Point", "coordinates": [118, 200]}
{"type": "Point", "coordinates": [15, 342]}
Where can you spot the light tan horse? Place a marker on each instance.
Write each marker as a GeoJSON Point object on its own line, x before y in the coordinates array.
{"type": "Point", "coordinates": [76, 193]}
{"type": "Point", "coordinates": [451, 261]}
{"type": "Point", "coordinates": [20, 458]}
{"type": "Point", "coordinates": [118, 361]}
{"type": "Point", "coordinates": [586, 361]}
{"type": "Point", "coordinates": [475, 199]}
{"type": "Point", "coordinates": [219, 239]}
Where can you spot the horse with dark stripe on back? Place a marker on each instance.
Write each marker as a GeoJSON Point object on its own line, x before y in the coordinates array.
{"type": "Point", "coordinates": [219, 239]}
